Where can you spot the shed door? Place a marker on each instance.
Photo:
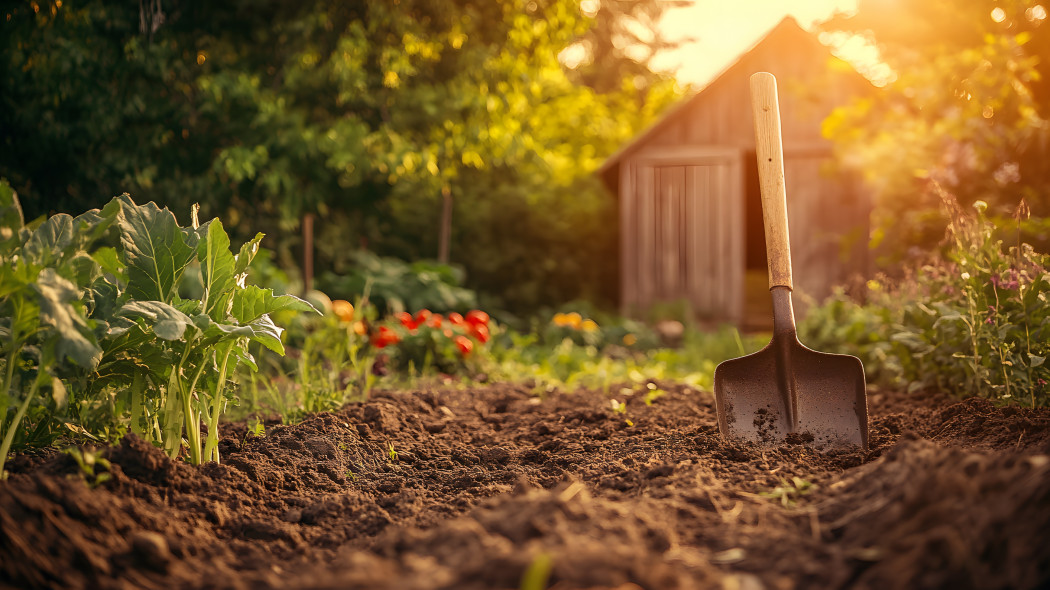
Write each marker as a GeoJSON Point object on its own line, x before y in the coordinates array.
{"type": "Point", "coordinates": [683, 234]}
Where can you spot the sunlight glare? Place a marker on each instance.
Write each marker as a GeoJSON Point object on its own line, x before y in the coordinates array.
{"type": "Point", "coordinates": [1035, 13]}
{"type": "Point", "coordinates": [573, 55]}
{"type": "Point", "coordinates": [714, 34]}
{"type": "Point", "coordinates": [998, 14]}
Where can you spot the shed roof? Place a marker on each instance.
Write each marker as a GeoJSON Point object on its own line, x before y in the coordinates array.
{"type": "Point", "coordinates": [787, 33]}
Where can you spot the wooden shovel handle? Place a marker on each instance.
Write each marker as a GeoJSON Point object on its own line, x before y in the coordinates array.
{"type": "Point", "coordinates": [770, 152]}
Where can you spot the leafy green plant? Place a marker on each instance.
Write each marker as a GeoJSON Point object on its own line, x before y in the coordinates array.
{"type": "Point", "coordinates": [90, 462]}
{"type": "Point", "coordinates": [973, 321]}
{"type": "Point", "coordinates": [202, 340]}
{"type": "Point", "coordinates": [256, 428]}
{"type": "Point", "coordinates": [44, 325]}
{"type": "Point", "coordinates": [94, 316]}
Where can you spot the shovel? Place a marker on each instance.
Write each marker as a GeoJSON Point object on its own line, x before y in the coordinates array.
{"type": "Point", "coordinates": [786, 391]}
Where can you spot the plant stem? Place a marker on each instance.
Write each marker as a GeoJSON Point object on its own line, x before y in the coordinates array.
{"type": "Point", "coordinates": [211, 450]}
{"type": "Point", "coordinates": [193, 437]}
{"type": "Point", "coordinates": [137, 412]}
{"type": "Point", "coordinates": [9, 437]}
{"type": "Point", "coordinates": [9, 376]}
{"type": "Point", "coordinates": [193, 421]}
{"type": "Point", "coordinates": [173, 406]}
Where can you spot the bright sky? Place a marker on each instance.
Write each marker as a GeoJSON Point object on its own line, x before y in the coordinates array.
{"type": "Point", "coordinates": [723, 29]}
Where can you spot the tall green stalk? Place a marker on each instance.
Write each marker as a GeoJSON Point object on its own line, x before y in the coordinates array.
{"type": "Point", "coordinates": [211, 450]}
{"type": "Point", "coordinates": [9, 437]}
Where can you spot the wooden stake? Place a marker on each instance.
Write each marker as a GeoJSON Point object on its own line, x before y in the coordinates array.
{"type": "Point", "coordinates": [308, 252]}
{"type": "Point", "coordinates": [446, 224]}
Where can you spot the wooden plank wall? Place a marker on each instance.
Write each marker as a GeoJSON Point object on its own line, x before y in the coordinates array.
{"type": "Point", "coordinates": [681, 235]}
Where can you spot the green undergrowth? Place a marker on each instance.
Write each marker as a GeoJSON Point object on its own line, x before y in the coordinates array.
{"type": "Point", "coordinates": [973, 321]}
{"type": "Point", "coordinates": [567, 364]}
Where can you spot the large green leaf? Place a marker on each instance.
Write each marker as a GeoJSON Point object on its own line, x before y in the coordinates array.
{"type": "Point", "coordinates": [165, 320]}
{"type": "Point", "coordinates": [124, 335]}
{"type": "Point", "coordinates": [155, 250]}
{"type": "Point", "coordinates": [94, 224]}
{"type": "Point", "coordinates": [267, 333]}
{"type": "Point", "coordinates": [108, 260]}
{"type": "Point", "coordinates": [217, 269]}
{"type": "Point", "coordinates": [103, 296]}
{"type": "Point", "coordinates": [261, 330]}
{"type": "Point", "coordinates": [51, 241]}
{"type": "Point", "coordinates": [61, 312]}
{"type": "Point", "coordinates": [253, 302]}
{"type": "Point", "coordinates": [247, 253]}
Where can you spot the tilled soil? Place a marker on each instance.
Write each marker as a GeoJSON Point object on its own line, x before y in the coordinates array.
{"type": "Point", "coordinates": [493, 488]}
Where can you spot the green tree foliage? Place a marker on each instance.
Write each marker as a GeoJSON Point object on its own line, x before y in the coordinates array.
{"type": "Point", "coordinates": [363, 112]}
{"type": "Point", "coordinates": [970, 108]}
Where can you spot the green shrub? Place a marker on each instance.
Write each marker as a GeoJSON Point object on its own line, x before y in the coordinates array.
{"type": "Point", "coordinates": [974, 321]}
{"type": "Point", "coordinates": [395, 286]}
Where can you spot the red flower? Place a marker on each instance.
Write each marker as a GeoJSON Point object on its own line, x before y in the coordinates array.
{"type": "Point", "coordinates": [406, 320]}
{"type": "Point", "coordinates": [455, 318]}
{"type": "Point", "coordinates": [434, 321]}
{"type": "Point", "coordinates": [385, 337]}
{"type": "Point", "coordinates": [464, 344]}
{"type": "Point", "coordinates": [481, 332]}
{"type": "Point", "coordinates": [476, 317]}
{"type": "Point", "coordinates": [422, 315]}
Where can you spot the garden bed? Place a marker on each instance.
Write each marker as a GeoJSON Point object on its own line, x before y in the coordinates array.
{"type": "Point", "coordinates": [493, 488]}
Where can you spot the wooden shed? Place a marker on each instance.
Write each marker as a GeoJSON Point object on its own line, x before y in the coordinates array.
{"type": "Point", "coordinates": [690, 211]}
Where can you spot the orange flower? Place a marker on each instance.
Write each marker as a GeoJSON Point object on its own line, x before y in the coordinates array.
{"type": "Point", "coordinates": [568, 320]}
{"type": "Point", "coordinates": [360, 328]}
{"type": "Point", "coordinates": [343, 309]}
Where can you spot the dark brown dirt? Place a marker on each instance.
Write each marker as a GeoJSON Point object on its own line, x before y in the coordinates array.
{"type": "Point", "coordinates": [492, 488]}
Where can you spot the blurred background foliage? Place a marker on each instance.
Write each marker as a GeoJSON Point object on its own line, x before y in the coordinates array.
{"type": "Point", "coordinates": [367, 114]}
{"type": "Point", "coordinates": [363, 113]}
{"type": "Point", "coordinates": [969, 109]}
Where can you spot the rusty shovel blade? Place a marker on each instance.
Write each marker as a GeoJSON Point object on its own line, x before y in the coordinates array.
{"type": "Point", "coordinates": [788, 392]}
{"type": "Point", "coordinates": [785, 390]}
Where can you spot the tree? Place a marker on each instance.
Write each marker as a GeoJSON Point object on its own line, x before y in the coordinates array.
{"type": "Point", "coordinates": [364, 112]}
{"type": "Point", "coordinates": [970, 109]}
